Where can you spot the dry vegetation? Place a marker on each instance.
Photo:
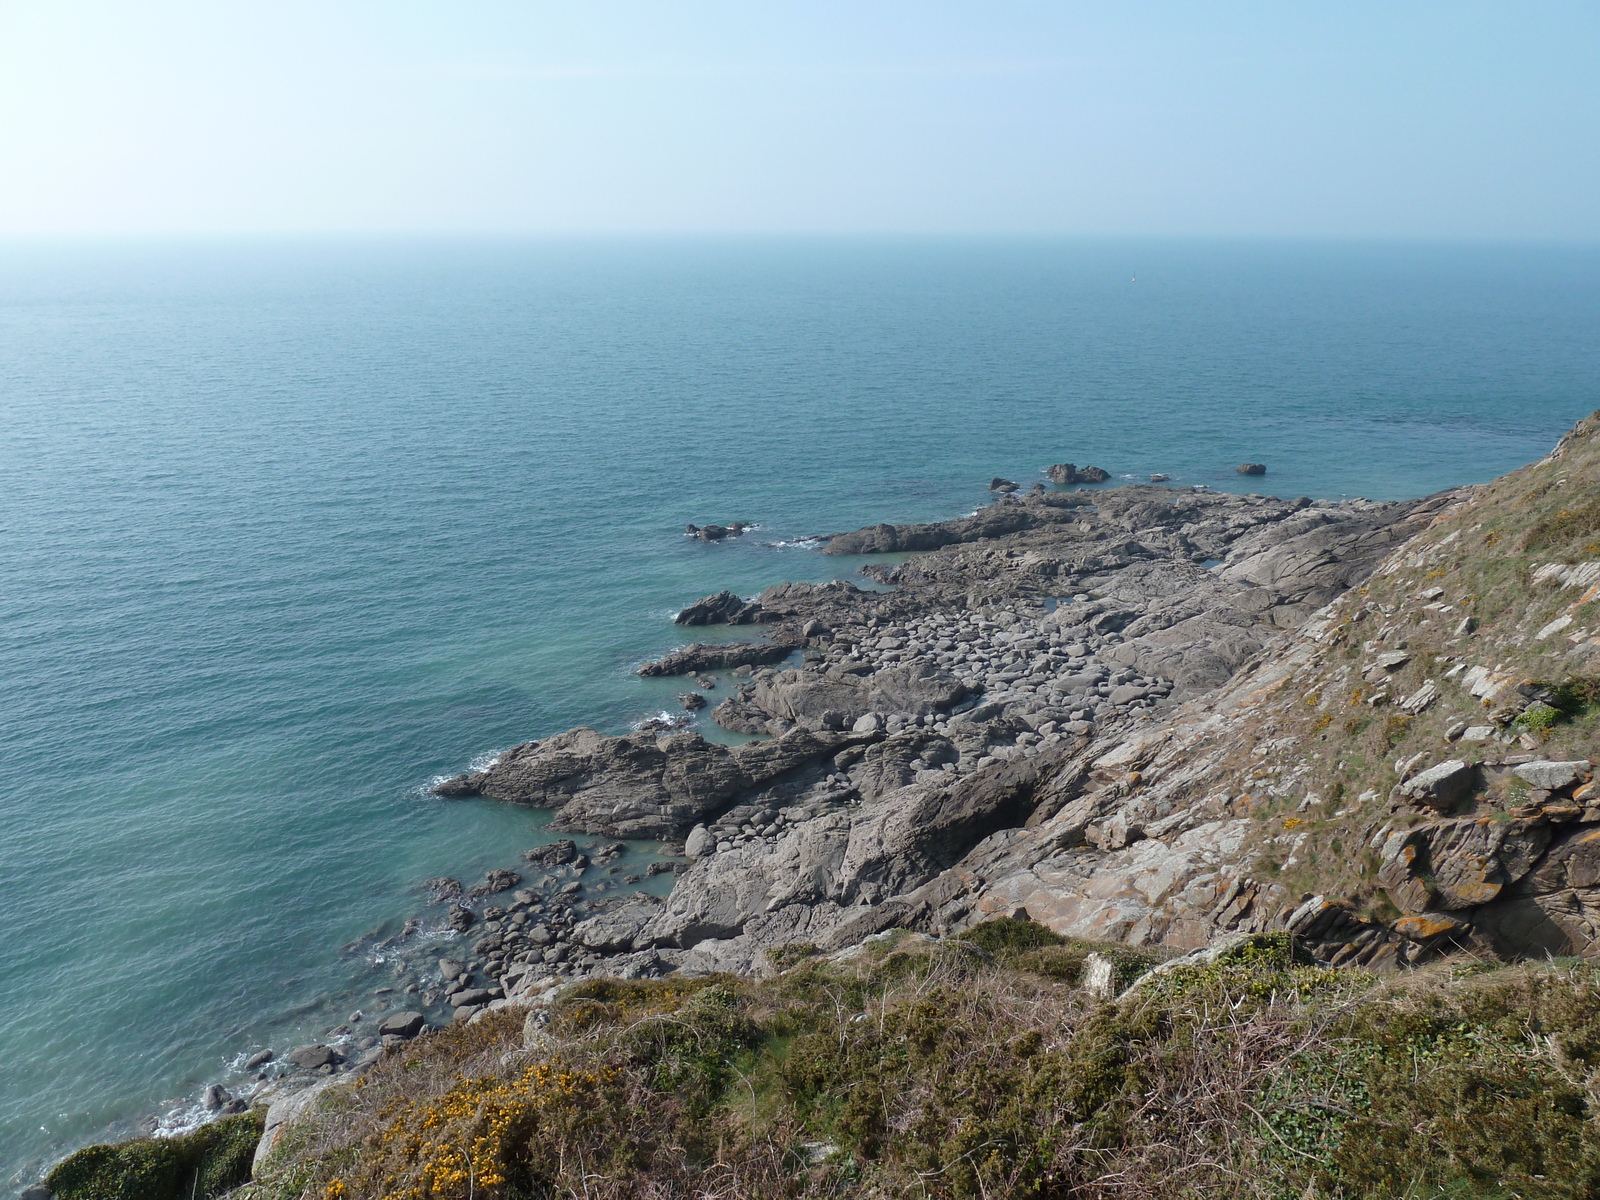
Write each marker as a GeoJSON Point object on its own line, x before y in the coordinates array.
{"type": "Point", "coordinates": [979, 1069]}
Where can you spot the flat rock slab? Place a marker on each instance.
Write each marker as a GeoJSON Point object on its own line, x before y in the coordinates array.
{"type": "Point", "coordinates": [1553, 776]}
{"type": "Point", "coordinates": [722, 656]}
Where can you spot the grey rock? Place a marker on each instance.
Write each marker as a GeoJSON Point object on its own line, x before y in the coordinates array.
{"type": "Point", "coordinates": [807, 885]}
{"type": "Point", "coordinates": [616, 931]}
{"type": "Point", "coordinates": [285, 1110]}
{"type": "Point", "coordinates": [1252, 469]}
{"type": "Point", "coordinates": [997, 520]}
{"type": "Point", "coordinates": [1421, 699]}
{"type": "Point", "coordinates": [443, 887]}
{"type": "Point", "coordinates": [311, 1057]}
{"type": "Point", "coordinates": [401, 1024]}
{"type": "Point", "coordinates": [641, 786]}
{"type": "Point", "coordinates": [739, 716]}
{"type": "Point", "coordinates": [495, 882]}
{"type": "Point", "coordinates": [468, 997]}
{"type": "Point", "coordinates": [822, 699]}
{"type": "Point", "coordinates": [1553, 776]}
{"type": "Point", "coordinates": [216, 1097]}
{"type": "Point", "coordinates": [554, 854]}
{"type": "Point", "coordinates": [716, 533]}
{"type": "Point", "coordinates": [451, 968]}
{"type": "Point", "coordinates": [1066, 474]}
{"type": "Point", "coordinates": [725, 608]}
{"type": "Point", "coordinates": [1441, 787]}
{"type": "Point", "coordinates": [699, 843]}
{"type": "Point", "coordinates": [700, 656]}
{"type": "Point", "coordinates": [259, 1059]}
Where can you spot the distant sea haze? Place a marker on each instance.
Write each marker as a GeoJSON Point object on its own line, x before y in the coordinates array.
{"type": "Point", "coordinates": [288, 530]}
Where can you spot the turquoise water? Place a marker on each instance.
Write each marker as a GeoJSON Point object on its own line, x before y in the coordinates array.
{"type": "Point", "coordinates": [289, 529]}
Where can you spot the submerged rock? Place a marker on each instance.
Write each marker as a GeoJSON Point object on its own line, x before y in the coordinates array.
{"type": "Point", "coordinates": [716, 533]}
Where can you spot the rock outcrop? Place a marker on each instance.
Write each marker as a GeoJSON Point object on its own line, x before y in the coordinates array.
{"type": "Point", "coordinates": [1067, 474]}
{"type": "Point", "coordinates": [725, 608]}
{"type": "Point", "coordinates": [718, 656]}
{"type": "Point", "coordinates": [642, 785]}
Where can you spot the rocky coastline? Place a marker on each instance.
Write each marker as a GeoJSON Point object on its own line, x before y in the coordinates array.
{"type": "Point", "coordinates": [1067, 706]}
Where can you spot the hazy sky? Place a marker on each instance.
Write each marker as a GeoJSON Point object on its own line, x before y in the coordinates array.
{"type": "Point", "coordinates": [1121, 117]}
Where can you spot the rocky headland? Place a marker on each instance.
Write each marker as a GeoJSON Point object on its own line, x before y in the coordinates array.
{"type": "Point", "coordinates": [1148, 717]}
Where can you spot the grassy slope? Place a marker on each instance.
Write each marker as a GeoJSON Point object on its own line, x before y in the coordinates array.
{"type": "Point", "coordinates": [978, 1069]}
{"type": "Point", "coordinates": [1339, 742]}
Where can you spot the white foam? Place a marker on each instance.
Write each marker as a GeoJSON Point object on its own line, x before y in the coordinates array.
{"type": "Point", "coordinates": [805, 543]}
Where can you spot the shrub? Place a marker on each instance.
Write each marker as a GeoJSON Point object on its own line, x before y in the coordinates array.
{"type": "Point", "coordinates": [936, 1071]}
{"type": "Point", "coordinates": [1011, 933]}
{"type": "Point", "coordinates": [1395, 728]}
{"type": "Point", "coordinates": [1567, 526]}
{"type": "Point", "coordinates": [197, 1166]}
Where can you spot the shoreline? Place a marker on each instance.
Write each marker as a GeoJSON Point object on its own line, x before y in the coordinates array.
{"type": "Point", "coordinates": [539, 941]}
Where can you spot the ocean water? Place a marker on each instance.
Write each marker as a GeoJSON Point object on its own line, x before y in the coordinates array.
{"type": "Point", "coordinates": [289, 529]}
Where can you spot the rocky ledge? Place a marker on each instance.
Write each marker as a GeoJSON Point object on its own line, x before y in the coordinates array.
{"type": "Point", "coordinates": [950, 748]}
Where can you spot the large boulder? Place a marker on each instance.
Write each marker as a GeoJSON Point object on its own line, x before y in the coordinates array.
{"type": "Point", "coordinates": [402, 1024]}
{"type": "Point", "coordinates": [1441, 787]}
{"type": "Point", "coordinates": [311, 1057]}
{"type": "Point", "coordinates": [1553, 776]}
{"type": "Point", "coordinates": [1066, 473]}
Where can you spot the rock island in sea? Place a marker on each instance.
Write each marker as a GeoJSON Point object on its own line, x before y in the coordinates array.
{"type": "Point", "coordinates": [1133, 839]}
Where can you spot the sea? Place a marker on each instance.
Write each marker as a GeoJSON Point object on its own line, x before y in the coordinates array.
{"type": "Point", "coordinates": [291, 528]}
